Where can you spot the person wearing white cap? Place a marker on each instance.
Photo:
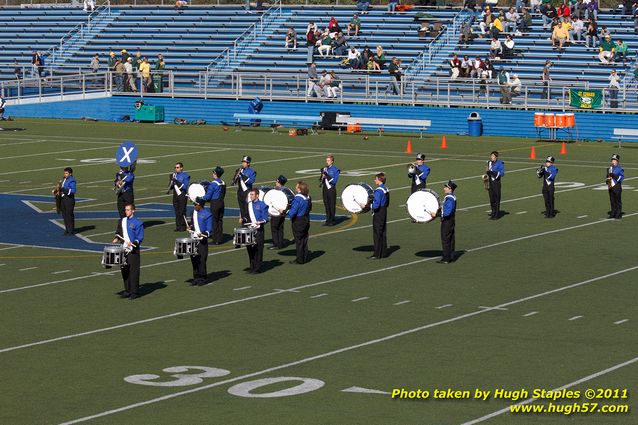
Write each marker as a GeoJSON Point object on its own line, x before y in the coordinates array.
{"type": "Point", "coordinates": [200, 228]}
{"type": "Point", "coordinates": [615, 177]}
{"type": "Point", "coordinates": [130, 76]}
{"type": "Point", "coordinates": [548, 173]}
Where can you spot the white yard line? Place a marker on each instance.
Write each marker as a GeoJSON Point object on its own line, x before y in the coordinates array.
{"type": "Point", "coordinates": [441, 307]}
{"type": "Point", "coordinates": [531, 313]}
{"type": "Point", "coordinates": [242, 288]}
{"type": "Point", "coordinates": [28, 268]}
{"type": "Point", "coordinates": [574, 318]}
{"type": "Point", "coordinates": [620, 322]}
{"type": "Point", "coordinates": [319, 295]}
{"type": "Point", "coordinates": [402, 302]}
{"type": "Point", "coordinates": [370, 343]}
{"type": "Point", "coordinates": [356, 300]}
{"type": "Point", "coordinates": [61, 271]}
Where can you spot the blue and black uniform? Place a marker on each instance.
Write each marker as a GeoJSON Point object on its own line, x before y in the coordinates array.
{"type": "Point", "coordinates": [125, 195]}
{"type": "Point", "coordinates": [380, 202]}
{"type": "Point", "coordinates": [277, 228]}
{"type": "Point", "coordinates": [419, 177]}
{"type": "Point", "coordinates": [257, 215]}
{"type": "Point", "coordinates": [615, 177]}
{"type": "Point", "coordinates": [202, 223]}
{"type": "Point", "coordinates": [179, 185]}
{"type": "Point", "coordinates": [300, 219]}
{"type": "Point", "coordinates": [67, 204]}
{"type": "Point", "coordinates": [215, 194]}
{"type": "Point", "coordinates": [495, 171]}
{"type": "Point", "coordinates": [329, 179]}
{"type": "Point", "coordinates": [131, 230]}
{"type": "Point", "coordinates": [448, 212]}
{"type": "Point", "coordinates": [247, 177]}
{"type": "Point", "coordinates": [548, 174]}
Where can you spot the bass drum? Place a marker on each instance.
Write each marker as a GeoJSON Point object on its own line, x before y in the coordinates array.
{"type": "Point", "coordinates": [278, 199]}
{"type": "Point", "coordinates": [197, 189]}
{"type": "Point", "coordinates": [421, 204]}
{"type": "Point", "coordinates": [262, 192]}
{"type": "Point", "coordinates": [354, 195]}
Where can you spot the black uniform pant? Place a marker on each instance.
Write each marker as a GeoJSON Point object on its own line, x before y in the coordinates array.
{"type": "Point", "coordinates": [242, 196]}
{"type": "Point", "coordinates": [67, 206]}
{"type": "Point", "coordinates": [217, 210]}
{"type": "Point", "coordinates": [330, 202]}
{"type": "Point", "coordinates": [548, 195]}
{"type": "Point", "coordinates": [379, 232]}
{"type": "Point", "coordinates": [199, 261]}
{"type": "Point", "coordinates": [123, 199]}
{"type": "Point", "coordinates": [179, 204]}
{"type": "Point", "coordinates": [131, 272]}
{"type": "Point", "coordinates": [615, 199]}
{"type": "Point", "coordinates": [416, 187]}
{"type": "Point", "coordinates": [495, 197]}
{"type": "Point", "coordinates": [256, 252]}
{"type": "Point", "coordinates": [300, 228]}
{"type": "Point", "coordinates": [277, 230]}
{"type": "Point", "coordinates": [447, 238]}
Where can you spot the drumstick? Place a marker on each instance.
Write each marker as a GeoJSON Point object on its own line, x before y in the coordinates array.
{"type": "Point", "coordinates": [118, 236]}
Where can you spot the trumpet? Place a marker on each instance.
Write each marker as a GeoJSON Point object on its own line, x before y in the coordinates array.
{"type": "Point", "coordinates": [57, 188]}
{"type": "Point", "coordinates": [486, 177]}
{"type": "Point", "coordinates": [236, 177]}
{"type": "Point", "coordinates": [118, 183]}
{"type": "Point", "coordinates": [608, 178]}
{"type": "Point", "coordinates": [171, 177]}
{"type": "Point", "coordinates": [58, 196]}
{"type": "Point", "coordinates": [540, 172]}
{"type": "Point", "coordinates": [412, 168]}
{"type": "Point", "coordinates": [322, 176]}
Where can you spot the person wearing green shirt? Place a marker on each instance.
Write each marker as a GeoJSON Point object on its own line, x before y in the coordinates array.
{"type": "Point", "coordinates": [607, 49]}
{"type": "Point", "coordinates": [354, 25]}
{"type": "Point", "coordinates": [137, 61]}
{"type": "Point", "coordinates": [111, 61]}
{"type": "Point", "coordinates": [621, 52]}
{"type": "Point", "coordinates": [158, 75]}
{"type": "Point", "coordinates": [125, 56]}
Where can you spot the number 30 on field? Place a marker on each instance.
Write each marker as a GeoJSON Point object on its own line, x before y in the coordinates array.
{"type": "Point", "coordinates": [182, 376]}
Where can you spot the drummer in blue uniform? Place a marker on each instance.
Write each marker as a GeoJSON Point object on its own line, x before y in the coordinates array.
{"type": "Point", "coordinates": [130, 230]}
{"type": "Point", "coordinates": [201, 227]}
{"type": "Point", "coordinates": [615, 177]}
{"type": "Point", "coordinates": [448, 213]}
{"type": "Point", "coordinates": [300, 218]}
{"type": "Point", "coordinates": [548, 173]}
{"type": "Point", "coordinates": [419, 173]}
{"type": "Point", "coordinates": [179, 185]}
{"type": "Point", "coordinates": [380, 202]}
{"type": "Point", "coordinates": [67, 201]}
{"type": "Point", "coordinates": [256, 217]}
{"type": "Point", "coordinates": [277, 222]}
{"type": "Point", "coordinates": [215, 194]}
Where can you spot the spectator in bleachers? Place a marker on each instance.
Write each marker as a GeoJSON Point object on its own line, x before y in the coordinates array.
{"type": "Point", "coordinates": [621, 52]}
{"type": "Point", "coordinates": [354, 25]}
{"type": "Point", "coordinates": [137, 60]}
{"type": "Point", "coordinates": [17, 70]}
{"type": "Point", "coordinates": [578, 10]}
{"type": "Point", "coordinates": [291, 38]}
{"type": "Point", "coordinates": [606, 50]}
{"type": "Point", "coordinates": [366, 55]}
{"type": "Point", "coordinates": [324, 83]}
{"type": "Point", "coordinates": [515, 86]}
{"type": "Point", "coordinates": [335, 85]}
{"type": "Point", "coordinates": [38, 64]}
{"type": "Point", "coordinates": [482, 83]}
{"type": "Point", "coordinates": [504, 86]}
{"type": "Point", "coordinates": [455, 67]}
{"type": "Point", "coordinates": [477, 67]}
{"type": "Point", "coordinates": [392, 5]}
{"type": "Point", "coordinates": [520, 4]}
{"type": "Point", "coordinates": [546, 80]}
{"type": "Point", "coordinates": [466, 66]}
{"type": "Point", "coordinates": [125, 56]}
{"type": "Point", "coordinates": [313, 80]}
{"type": "Point", "coordinates": [89, 5]}
{"type": "Point", "coordinates": [160, 68]}
{"type": "Point", "coordinates": [333, 27]}
{"type": "Point", "coordinates": [396, 72]}
{"type": "Point", "coordinates": [496, 28]}
{"type": "Point", "coordinates": [563, 10]}
{"type": "Point", "coordinates": [380, 58]}
{"type": "Point", "coordinates": [488, 67]}
{"type": "Point", "coordinates": [614, 86]}
{"type": "Point", "coordinates": [508, 47]}
{"type": "Point", "coordinates": [95, 64]}
{"type": "Point", "coordinates": [326, 45]}
{"type": "Point", "coordinates": [548, 13]}
{"type": "Point", "coordinates": [495, 48]}
{"type": "Point", "coordinates": [466, 35]}
{"type": "Point", "coordinates": [511, 18]}
{"type": "Point", "coordinates": [363, 6]}
{"type": "Point", "coordinates": [180, 5]}
{"type": "Point", "coordinates": [592, 10]}
{"type": "Point", "coordinates": [312, 27]}
{"type": "Point", "coordinates": [340, 45]}
{"type": "Point", "coordinates": [469, 4]}
{"type": "Point", "coordinates": [145, 73]}
{"type": "Point", "coordinates": [591, 35]}
{"type": "Point", "coordinates": [604, 32]}
{"type": "Point", "coordinates": [310, 44]}
{"type": "Point", "coordinates": [578, 28]}
{"type": "Point", "coordinates": [486, 21]}
{"type": "Point", "coordinates": [118, 75]}
{"type": "Point", "coordinates": [130, 75]}
{"type": "Point", "coordinates": [110, 63]}
{"type": "Point", "coordinates": [526, 21]}
{"type": "Point", "coordinates": [424, 31]}
{"type": "Point", "coordinates": [560, 35]}
{"type": "Point", "coordinates": [354, 58]}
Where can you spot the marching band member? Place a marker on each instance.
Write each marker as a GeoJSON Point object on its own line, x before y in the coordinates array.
{"type": "Point", "coordinates": [420, 175]}
{"type": "Point", "coordinates": [124, 188]}
{"type": "Point", "coordinates": [67, 201]}
{"type": "Point", "coordinates": [448, 211]}
{"type": "Point", "coordinates": [257, 217]}
{"type": "Point", "coordinates": [202, 224]}
{"type": "Point", "coordinates": [615, 177]}
{"type": "Point", "coordinates": [328, 180]}
{"type": "Point", "coordinates": [548, 173]}
{"type": "Point", "coordinates": [245, 177]}
{"type": "Point", "coordinates": [215, 194]}
{"type": "Point", "coordinates": [495, 172]}
{"type": "Point", "coordinates": [131, 231]}
{"type": "Point", "coordinates": [277, 223]}
{"type": "Point", "coordinates": [300, 218]}
{"type": "Point", "coordinates": [179, 184]}
{"type": "Point", "coordinates": [380, 202]}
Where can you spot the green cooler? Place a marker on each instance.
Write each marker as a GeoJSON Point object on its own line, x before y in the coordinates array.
{"type": "Point", "coordinates": [150, 113]}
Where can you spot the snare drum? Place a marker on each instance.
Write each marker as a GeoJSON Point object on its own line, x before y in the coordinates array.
{"type": "Point", "coordinates": [421, 204]}
{"type": "Point", "coordinates": [184, 247]}
{"type": "Point", "coordinates": [245, 236]}
{"type": "Point", "coordinates": [354, 195]}
{"type": "Point", "coordinates": [278, 199]}
{"type": "Point", "coordinates": [262, 192]}
{"type": "Point", "coordinates": [113, 255]}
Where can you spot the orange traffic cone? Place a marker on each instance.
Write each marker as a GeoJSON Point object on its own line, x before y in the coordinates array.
{"type": "Point", "coordinates": [443, 143]}
{"type": "Point", "coordinates": [563, 150]}
{"type": "Point", "coordinates": [532, 154]}
{"type": "Point", "coordinates": [408, 148]}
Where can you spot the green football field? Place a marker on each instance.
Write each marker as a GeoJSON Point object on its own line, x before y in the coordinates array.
{"type": "Point", "coordinates": [531, 304]}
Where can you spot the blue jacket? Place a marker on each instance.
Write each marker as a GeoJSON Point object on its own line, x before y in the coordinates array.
{"type": "Point", "coordinates": [497, 169]}
{"type": "Point", "coordinates": [248, 176]}
{"type": "Point", "coordinates": [204, 220]}
{"type": "Point", "coordinates": [421, 175]}
{"type": "Point", "coordinates": [255, 106]}
{"type": "Point", "coordinates": [333, 176]}
{"type": "Point", "coordinates": [214, 191]}
{"type": "Point", "coordinates": [300, 206]}
{"type": "Point", "coordinates": [135, 229]}
{"type": "Point", "coordinates": [617, 175]}
{"type": "Point", "coordinates": [449, 205]}
{"type": "Point", "coordinates": [380, 199]}
{"type": "Point", "coordinates": [260, 210]}
{"type": "Point", "coordinates": [68, 186]}
{"type": "Point", "coordinates": [550, 174]}
{"type": "Point", "coordinates": [182, 180]}
{"type": "Point", "coordinates": [127, 177]}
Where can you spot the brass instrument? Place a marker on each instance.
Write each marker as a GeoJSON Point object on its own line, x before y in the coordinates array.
{"type": "Point", "coordinates": [58, 195]}
{"type": "Point", "coordinates": [118, 183]}
{"type": "Point", "coordinates": [322, 175]}
{"type": "Point", "coordinates": [540, 172]}
{"type": "Point", "coordinates": [608, 178]}
{"type": "Point", "coordinates": [171, 177]}
{"type": "Point", "coordinates": [236, 177]}
{"type": "Point", "coordinates": [486, 177]}
{"type": "Point", "coordinates": [412, 168]}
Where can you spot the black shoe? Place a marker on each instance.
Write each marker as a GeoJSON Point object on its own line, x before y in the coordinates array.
{"type": "Point", "coordinates": [443, 261]}
{"type": "Point", "coordinates": [273, 247]}
{"type": "Point", "coordinates": [293, 262]}
{"type": "Point", "coordinates": [124, 294]}
{"type": "Point", "coordinates": [492, 218]}
{"type": "Point", "coordinates": [372, 257]}
{"type": "Point", "coordinates": [133, 296]}
{"type": "Point", "coordinates": [120, 293]}
{"type": "Point", "coordinates": [255, 272]}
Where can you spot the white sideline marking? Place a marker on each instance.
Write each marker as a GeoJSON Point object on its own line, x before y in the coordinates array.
{"type": "Point", "coordinates": [61, 271]}
{"type": "Point", "coordinates": [571, 384]}
{"type": "Point", "coordinates": [402, 302]}
{"type": "Point", "coordinates": [531, 313]}
{"type": "Point", "coordinates": [492, 308]}
{"type": "Point", "coordinates": [574, 318]}
{"type": "Point", "coordinates": [363, 390]}
{"type": "Point", "coordinates": [242, 288]}
{"type": "Point", "coordinates": [11, 247]}
{"type": "Point", "coordinates": [369, 343]}
{"type": "Point", "coordinates": [582, 216]}
{"type": "Point", "coordinates": [28, 268]}
{"type": "Point", "coordinates": [268, 294]}
{"type": "Point", "coordinates": [444, 306]}
{"type": "Point", "coordinates": [356, 300]}
{"type": "Point", "coordinates": [521, 212]}
{"type": "Point", "coordinates": [25, 182]}
{"type": "Point", "coordinates": [319, 295]}
{"type": "Point", "coordinates": [168, 281]}
{"type": "Point", "coordinates": [621, 321]}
